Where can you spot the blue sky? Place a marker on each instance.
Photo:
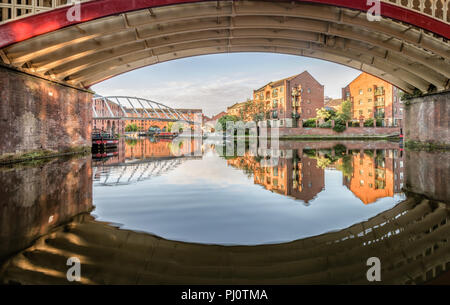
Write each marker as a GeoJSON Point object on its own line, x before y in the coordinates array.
{"type": "Point", "coordinates": [213, 82]}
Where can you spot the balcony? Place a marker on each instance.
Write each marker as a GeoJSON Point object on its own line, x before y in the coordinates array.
{"type": "Point", "coordinates": [379, 103]}
{"type": "Point", "coordinates": [296, 102]}
{"type": "Point", "coordinates": [379, 91]}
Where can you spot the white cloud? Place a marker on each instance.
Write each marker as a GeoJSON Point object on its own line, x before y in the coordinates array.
{"type": "Point", "coordinates": [211, 96]}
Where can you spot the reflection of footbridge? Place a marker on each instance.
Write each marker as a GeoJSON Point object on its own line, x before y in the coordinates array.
{"type": "Point", "coordinates": [410, 239]}
{"type": "Point", "coordinates": [133, 172]}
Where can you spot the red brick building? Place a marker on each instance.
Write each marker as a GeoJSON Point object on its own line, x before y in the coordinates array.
{"type": "Point", "coordinates": [282, 100]}
{"type": "Point", "coordinates": [373, 97]}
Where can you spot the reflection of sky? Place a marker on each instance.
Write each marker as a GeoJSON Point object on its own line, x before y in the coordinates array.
{"type": "Point", "coordinates": [208, 202]}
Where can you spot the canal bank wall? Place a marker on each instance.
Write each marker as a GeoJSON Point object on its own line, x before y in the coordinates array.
{"type": "Point", "coordinates": [329, 133]}
{"type": "Point", "coordinates": [41, 117]}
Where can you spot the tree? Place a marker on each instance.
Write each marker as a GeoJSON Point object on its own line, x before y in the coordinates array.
{"type": "Point", "coordinates": [325, 114]}
{"type": "Point", "coordinates": [169, 126]}
{"type": "Point", "coordinates": [222, 123]}
{"type": "Point", "coordinates": [131, 128]}
{"type": "Point", "coordinates": [346, 110]}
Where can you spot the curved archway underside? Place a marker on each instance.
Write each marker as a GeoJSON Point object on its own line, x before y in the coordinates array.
{"type": "Point", "coordinates": [90, 52]}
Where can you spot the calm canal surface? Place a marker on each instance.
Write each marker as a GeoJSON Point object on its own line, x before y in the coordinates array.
{"type": "Point", "coordinates": [182, 212]}
{"type": "Point", "coordinates": [235, 200]}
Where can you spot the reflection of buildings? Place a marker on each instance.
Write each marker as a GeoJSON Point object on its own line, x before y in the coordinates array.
{"type": "Point", "coordinates": [369, 174]}
{"type": "Point", "coordinates": [141, 149]}
{"type": "Point", "coordinates": [376, 174]}
{"type": "Point", "coordinates": [298, 177]}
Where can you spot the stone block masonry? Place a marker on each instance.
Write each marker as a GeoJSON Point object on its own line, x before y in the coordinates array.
{"type": "Point", "coordinates": [37, 114]}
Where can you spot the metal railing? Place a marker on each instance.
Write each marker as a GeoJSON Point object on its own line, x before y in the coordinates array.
{"type": "Point", "coordinates": [15, 9]}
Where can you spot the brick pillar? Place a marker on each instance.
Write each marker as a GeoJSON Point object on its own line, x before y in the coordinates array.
{"type": "Point", "coordinates": [427, 118]}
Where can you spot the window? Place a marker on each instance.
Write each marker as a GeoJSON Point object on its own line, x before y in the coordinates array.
{"type": "Point", "coordinates": [360, 91]}
{"type": "Point", "coordinates": [369, 90]}
{"type": "Point", "coordinates": [369, 100]}
{"type": "Point", "coordinates": [309, 90]}
{"type": "Point", "coordinates": [281, 89]}
{"type": "Point", "coordinates": [308, 101]}
{"type": "Point", "coordinates": [369, 110]}
{"type": "Point", "coordinates": [360, 102]}
{"type": "Point", "coordinates": [360, 112]}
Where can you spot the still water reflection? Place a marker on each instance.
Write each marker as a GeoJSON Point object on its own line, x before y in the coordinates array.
{"type": "Point", "coordinates": [181, 212]}
{"type": "Point", "coordinates": [240, 200]}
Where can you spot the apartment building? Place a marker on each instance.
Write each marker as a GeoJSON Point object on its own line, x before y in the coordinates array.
{"type": "Point", "coordinates": [283, 101]}
{"type": "Point", "coordinates": [372, 97]}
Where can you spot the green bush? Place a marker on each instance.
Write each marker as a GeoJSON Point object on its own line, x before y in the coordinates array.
{"type": "Point", "coordinates": [131, 128]}
{"type": "Point", "coordinates": [309, 123]}
{"type": "Point", "coordinates": [339, 128]}
{"type": "Point", "coordinates": [325, 125]}
{"type": "Point", "coordinates": [368, 123]}
{"type": "Point", "coordinates": [339, 125]}
{"type": "Point", "coordinates": [353, 124]}
{"type": "Point", "coordinates": [340, 149]}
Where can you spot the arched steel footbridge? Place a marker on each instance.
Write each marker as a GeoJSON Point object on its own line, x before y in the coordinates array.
{"type": "Point", "coordinates": [135, 108]}
{"type": "Point", "coordinates": [407, 47]}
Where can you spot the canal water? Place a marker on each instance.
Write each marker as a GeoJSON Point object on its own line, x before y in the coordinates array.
{"type": "Point", "coordinates": [193, 204]}
{"type": "Point", "coordinates": [236, 200]}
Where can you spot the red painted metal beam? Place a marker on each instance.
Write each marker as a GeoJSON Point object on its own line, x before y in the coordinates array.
{"type": "Point", "coordinates": [35, 25]}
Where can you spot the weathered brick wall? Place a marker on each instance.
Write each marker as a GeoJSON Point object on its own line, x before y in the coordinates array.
{"type": "Point", "coordinates": [427, 119]}
{"type": "Point", "coordinates": [350, 131]}
{"type": "Point", "coordinates": [38, 114]}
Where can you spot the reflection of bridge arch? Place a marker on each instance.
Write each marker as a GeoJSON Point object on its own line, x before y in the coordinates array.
{"type": "Point", "coordinates": [407, 48]}
{"type": "Point", "coordinates": [410, 239]}
{"type": "Point", "coordinates": [134, 172]}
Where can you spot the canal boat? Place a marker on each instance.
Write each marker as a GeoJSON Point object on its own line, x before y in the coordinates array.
{"type": "Point", "coordinates": [102, 139]}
